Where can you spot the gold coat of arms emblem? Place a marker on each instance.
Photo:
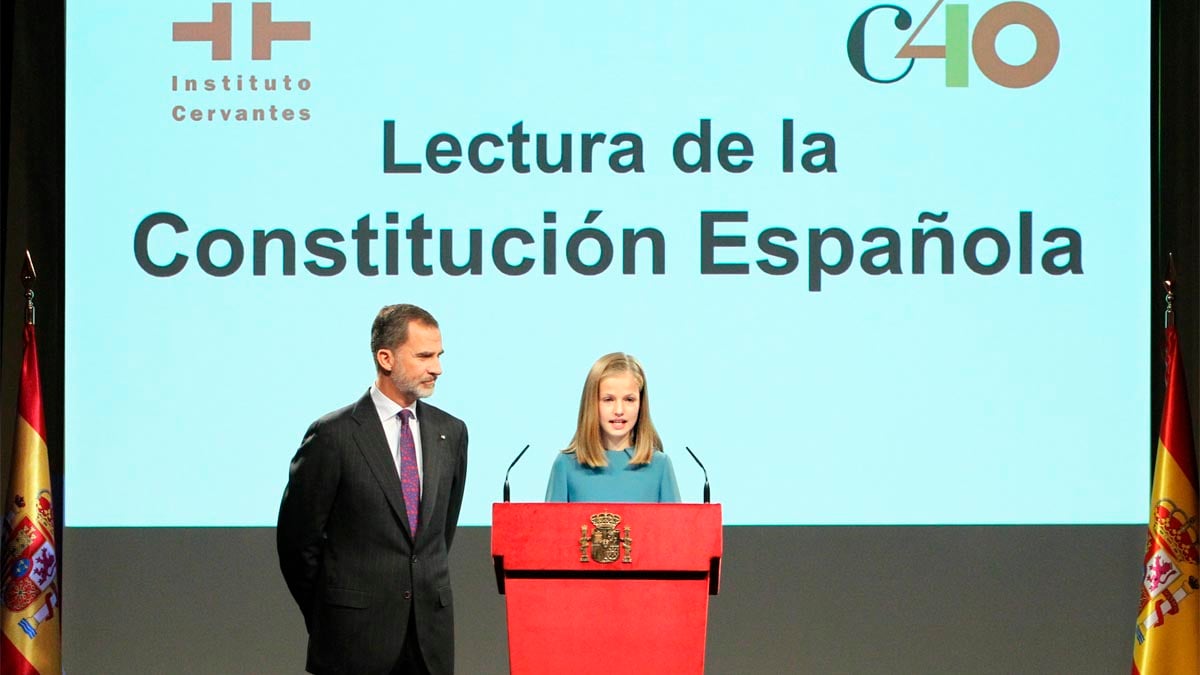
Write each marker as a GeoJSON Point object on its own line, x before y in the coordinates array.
{"type": "Point", "coordinates": [605, 541]}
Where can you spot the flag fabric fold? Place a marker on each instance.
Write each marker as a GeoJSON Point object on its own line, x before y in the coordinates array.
{"type": "Point", "coordinates": [32, 639]}
{"type": "Point", "coordinates": [1167, 633]}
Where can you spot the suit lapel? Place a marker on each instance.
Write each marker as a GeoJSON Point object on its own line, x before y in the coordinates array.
{"type": "Point", "coordinates": [372, 443]}
{"type": "Point", "coordinates": [433, 455]}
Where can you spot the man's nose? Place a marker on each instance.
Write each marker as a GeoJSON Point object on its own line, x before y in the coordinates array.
{"type": "Point", "coordinates": [435, 367]}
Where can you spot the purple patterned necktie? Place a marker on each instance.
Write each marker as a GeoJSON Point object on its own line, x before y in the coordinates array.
{"type": "Point", "coordinates": [409, 478]}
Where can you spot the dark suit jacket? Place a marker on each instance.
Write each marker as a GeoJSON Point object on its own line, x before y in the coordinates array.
{"type": "Point", "coordinates": [346, 550]}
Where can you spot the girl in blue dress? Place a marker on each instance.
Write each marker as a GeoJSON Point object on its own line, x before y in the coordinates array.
{"type": "Point", "coordinates": [616, 454]}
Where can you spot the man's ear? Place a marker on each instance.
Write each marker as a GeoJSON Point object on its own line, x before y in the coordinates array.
{"type": "Point", "coordinates": [385, 360]}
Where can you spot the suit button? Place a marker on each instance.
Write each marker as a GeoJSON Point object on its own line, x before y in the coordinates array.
{"type": "Point", "coordinates": [408, 595]}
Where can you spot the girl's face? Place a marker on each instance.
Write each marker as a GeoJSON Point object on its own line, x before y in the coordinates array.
{"type": "Point", "coordinates": [620, 400]}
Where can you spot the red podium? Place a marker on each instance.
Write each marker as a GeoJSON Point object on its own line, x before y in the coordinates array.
{"type": "Point", "coordinates": [606, 588]}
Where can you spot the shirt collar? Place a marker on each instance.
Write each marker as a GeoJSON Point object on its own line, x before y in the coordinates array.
{"type": "Point", "coordinates": [386, 408]}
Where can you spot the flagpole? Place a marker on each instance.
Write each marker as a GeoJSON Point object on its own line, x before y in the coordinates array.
{"type": "Point", "coordinates": [1167, 629]}
{"type": "Point", "coordinates": [1168, 324]}
{"type": "Point", "coordinates": [30, 618]}
{"type": "Point", "coordinates": [29, 281]}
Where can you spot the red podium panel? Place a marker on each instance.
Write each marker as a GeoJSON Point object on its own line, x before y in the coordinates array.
{"type": "Point", "coordinates": [646, 611]}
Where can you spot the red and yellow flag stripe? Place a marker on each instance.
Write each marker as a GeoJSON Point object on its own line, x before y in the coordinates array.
{"type": "Point", "coordinates": [32, 640]}
{"type": "Point", "coordinates": [1167, 634]}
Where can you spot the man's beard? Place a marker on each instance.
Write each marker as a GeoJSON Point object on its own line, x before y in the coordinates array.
{"type": "Point", "coordinates": [411, 387]}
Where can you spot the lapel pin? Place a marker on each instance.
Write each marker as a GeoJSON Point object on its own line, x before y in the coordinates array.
{"type": "Point", "coordinates": [442, 436]}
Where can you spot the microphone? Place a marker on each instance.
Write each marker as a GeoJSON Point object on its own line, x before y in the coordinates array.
{"type": "Point", "coordinates": [514, 463]}
{"type": "Point", "coordinates": [706, 496]}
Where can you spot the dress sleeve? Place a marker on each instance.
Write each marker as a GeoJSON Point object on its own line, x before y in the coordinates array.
{"type": "Point", "coordinates": [668, 489]}
{"type": "Point", "coordinates": [556, 489]}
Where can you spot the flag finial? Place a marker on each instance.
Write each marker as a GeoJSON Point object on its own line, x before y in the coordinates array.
{"type": "Point", "coordinates": [28, 280]}
{"type": "Point", "coordinates": [1169, 289]}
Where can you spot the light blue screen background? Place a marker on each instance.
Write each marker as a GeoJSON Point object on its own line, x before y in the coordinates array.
{"type": "Point", "coordinates": [893, 399]}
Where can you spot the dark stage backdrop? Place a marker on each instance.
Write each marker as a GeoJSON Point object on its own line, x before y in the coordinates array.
{"type": "Point", "coordinates": [793, 600]}
{"type": "Point", "coordinates": [1046, 599]}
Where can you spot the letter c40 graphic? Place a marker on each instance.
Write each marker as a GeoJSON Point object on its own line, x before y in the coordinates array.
{"type": "Point", "coordinates": [954, 50]}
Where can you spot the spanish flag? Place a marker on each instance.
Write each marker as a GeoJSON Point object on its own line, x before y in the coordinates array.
{"type": "Point", "coordinates": [1167, 634]}
{"type": "Point", "coordinates": [32, 639]}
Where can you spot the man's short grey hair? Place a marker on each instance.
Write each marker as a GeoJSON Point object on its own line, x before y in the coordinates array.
{"type": "Point", "coordinates": [390, 329]}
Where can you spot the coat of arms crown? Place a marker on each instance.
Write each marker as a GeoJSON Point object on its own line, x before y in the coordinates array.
{"type": "Point", "coordinates": [605, 520]}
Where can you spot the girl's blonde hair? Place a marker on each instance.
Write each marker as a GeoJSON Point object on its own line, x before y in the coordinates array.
{"type": "Point", "coordinates": [586, 444]}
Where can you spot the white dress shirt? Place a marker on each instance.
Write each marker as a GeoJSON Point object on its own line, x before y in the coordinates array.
{"type": "Point", "coordinates": [389, 416]}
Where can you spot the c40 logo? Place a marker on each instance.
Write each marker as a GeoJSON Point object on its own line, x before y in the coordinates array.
{"type": "Point", "coordinates": [954, 50]}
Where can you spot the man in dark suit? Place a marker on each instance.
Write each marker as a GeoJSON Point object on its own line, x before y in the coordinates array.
{"type": "Point", "coordinates": [363, 538]}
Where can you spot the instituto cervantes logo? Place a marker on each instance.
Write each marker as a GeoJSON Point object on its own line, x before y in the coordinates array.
{"type": "Point", "coordinates": [238, 96]}
{"type": "Point", "coordinates": [960, 43]}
